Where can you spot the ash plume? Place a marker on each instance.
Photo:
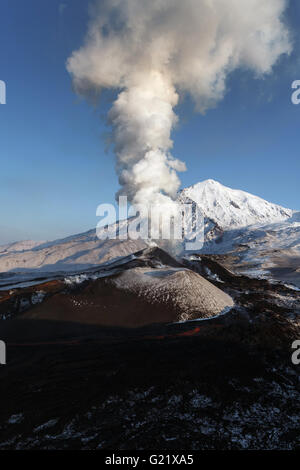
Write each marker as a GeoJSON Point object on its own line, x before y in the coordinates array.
{"type": "Point", "coordinates": [153, 51]}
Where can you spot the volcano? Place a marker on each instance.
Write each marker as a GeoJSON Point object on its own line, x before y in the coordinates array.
{"type": "Point", "coordinates": [150, 287]}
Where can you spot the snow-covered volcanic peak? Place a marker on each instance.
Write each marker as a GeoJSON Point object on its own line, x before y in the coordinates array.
{"type": "Point", "coordinates": [232, 208]}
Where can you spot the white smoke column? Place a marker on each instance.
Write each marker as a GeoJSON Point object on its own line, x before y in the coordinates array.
{"type": "Point", "coordinates": [142, 118]}
{"type": "Point", "coordinates": [153, 50]}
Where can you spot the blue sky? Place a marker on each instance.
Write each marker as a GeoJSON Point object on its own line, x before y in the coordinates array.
{"type": "Point", "coordinates": [55, 166]}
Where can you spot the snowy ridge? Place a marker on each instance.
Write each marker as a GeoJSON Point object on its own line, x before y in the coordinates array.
{"type": "Point", "coordinates": [284, 235]}
{"type": "Point", "coordinates": [19, 246]}
{"type": "Point", "coordinates": [74, 253]}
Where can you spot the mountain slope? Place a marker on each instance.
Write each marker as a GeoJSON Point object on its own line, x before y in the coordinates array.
{"type": "Point", "coordinates": [260, 235]}
{"type": "Point", "coordinates": [74, 253]}
{"type": "Point", "coordinates": [19, 246]}
{"type": "Point", "coordinates": [271, 250]}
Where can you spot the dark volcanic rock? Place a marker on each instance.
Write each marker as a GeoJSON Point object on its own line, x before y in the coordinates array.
{"type": "Point", "coordinates": [220, 383]}
{"type": "Point", "coordinates": [141, 290]}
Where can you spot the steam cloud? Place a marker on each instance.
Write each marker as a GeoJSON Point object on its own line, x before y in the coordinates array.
{"type": "Point", "coordinates": [153, 50]}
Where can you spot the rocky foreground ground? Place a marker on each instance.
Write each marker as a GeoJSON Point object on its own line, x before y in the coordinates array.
{"type": "Point", "coordinates": [223, 382]}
